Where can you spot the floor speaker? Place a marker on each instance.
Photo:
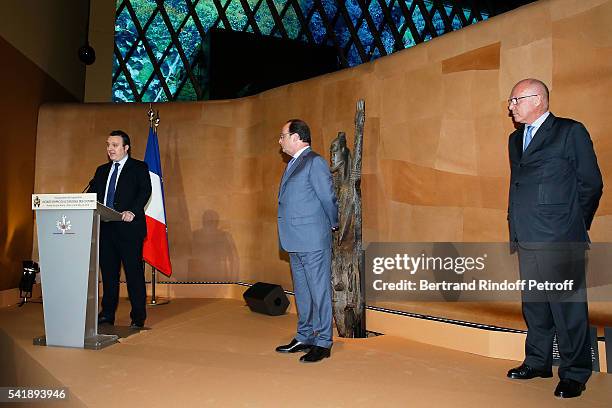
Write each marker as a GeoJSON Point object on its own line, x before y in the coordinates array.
{"type": "Point", "coordinates": [266, 298]}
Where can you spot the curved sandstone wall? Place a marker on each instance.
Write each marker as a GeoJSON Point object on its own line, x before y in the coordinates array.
{"type": "Point", "coordinates": [435, 165]}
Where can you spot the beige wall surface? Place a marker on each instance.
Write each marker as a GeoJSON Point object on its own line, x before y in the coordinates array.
{"type": "Point", "coordinates": [24, 87]}
{"type": "Point", "coordinates": [49, 32]}
{"type": "Point", "coordinates": [435, 164]}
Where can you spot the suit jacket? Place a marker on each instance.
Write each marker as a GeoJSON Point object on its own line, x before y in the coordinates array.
{"type": "Point", "coordinates": [307, 205]}
{"type": "Point", "coordinates": [555, 185]}
{"type": "Point", "coordinates": [131, 194]}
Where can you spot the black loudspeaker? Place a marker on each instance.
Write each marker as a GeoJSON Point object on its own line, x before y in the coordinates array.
{"type": "Point", "coordinates": [266, 298]}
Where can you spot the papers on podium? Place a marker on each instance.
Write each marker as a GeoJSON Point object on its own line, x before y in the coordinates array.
{"type": "Point", "coordinates": [107, 214]}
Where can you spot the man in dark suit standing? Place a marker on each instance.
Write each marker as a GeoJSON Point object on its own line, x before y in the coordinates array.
{"type": "Point", "coordinates": [123, 184]}
{"type": "Point", "coordinates": [555, 187]}
{"type": "Point", "coordinates": [307, 215]}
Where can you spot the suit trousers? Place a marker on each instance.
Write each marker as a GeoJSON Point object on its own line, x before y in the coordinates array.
{"type": "Point", "coordinates": [311, 273]}
{"type": "Point", "coordinates": [115, 250]}
{"type": "Point", "coordinates": [563, 311]}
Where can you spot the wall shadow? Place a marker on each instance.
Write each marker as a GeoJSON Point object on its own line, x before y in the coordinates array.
{"type": "Point", "coordinates": [214, 255]}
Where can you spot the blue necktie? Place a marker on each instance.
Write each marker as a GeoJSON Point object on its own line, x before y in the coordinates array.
{"type": "Point", "coordinates": [290, 164]}
{"type": "Point", "coordinates": [528, 137]}
{"type": "Point", "coordinates": [110, 196]}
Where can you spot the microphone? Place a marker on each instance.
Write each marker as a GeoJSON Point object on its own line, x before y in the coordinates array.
{"type": "Point", "coordinates": [89, 185]}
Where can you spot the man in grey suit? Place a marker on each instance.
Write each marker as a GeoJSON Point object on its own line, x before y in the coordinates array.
{"type": "Point", "coordinates": [555, 187]}
{"type": "Point", "coordinates": [307, 215]}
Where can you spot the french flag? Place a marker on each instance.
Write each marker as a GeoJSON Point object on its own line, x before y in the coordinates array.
{"type": "Point", "coordinates": [155, 249]}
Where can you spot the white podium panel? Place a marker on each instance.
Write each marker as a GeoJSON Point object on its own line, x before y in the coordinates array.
{"type": "Point", "coordinates": [68, 230]}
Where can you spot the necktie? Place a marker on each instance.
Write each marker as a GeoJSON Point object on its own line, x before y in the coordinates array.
{"type": "Point", "coordinates": [290, 163]}
{"type": "Point", "coordinates": [110, 196]}
{"type": "Point", "coordinates": [528, 137]}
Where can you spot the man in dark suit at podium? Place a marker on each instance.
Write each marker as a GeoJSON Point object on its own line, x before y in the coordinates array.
{"type": "Point", "coordinates": [555, 187]}
{"type": "Point", "coordinates": [123, 184]}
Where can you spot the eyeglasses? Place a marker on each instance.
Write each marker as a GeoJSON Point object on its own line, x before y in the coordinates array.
{"type": "Point", "coordinates": [515, 101]}
{"type": "Point", "coordinates": [283, 135]}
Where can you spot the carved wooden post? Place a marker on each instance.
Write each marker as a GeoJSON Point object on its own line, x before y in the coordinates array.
{"type": "Point", "coordinates": [347, 252]}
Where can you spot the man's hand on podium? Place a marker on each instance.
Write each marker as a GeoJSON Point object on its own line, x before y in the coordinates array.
{"type": "Point", "coordinates": [127, 216]}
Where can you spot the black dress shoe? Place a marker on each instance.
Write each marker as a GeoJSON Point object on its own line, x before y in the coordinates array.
{"type": "Point", "coordinates": [136, 325]}
{"type": "Point", "coordinates": [315, 354]}
{"type": "Point", "coordinates": [293, 347]}
{"type": "Point", "coordinates": [524, 372]}
{"type": "Point", "coordinates": [105, 320]}
{"type": "Point", "coordinates": [569, 388]}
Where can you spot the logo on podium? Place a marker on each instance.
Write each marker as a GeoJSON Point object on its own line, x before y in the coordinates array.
{"type": "Point", "coordinates": [63, 226]}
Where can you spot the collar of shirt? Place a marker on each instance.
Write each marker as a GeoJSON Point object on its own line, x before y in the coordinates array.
{"type": "Point", "coordinates": [121, 162]}
{"type": "Point", "coordinates": [536, 124]}
{"type": "Point", "coordinates": [299, 152]}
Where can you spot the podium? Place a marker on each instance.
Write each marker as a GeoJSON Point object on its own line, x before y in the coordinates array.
{"type": "Point", "coordinates": [68, 231]}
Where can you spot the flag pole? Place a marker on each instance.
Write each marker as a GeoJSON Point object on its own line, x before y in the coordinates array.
{"type": "Point", "coordinates": [155, 301]}
{"type": "Point", "coordinates": [154, 123]}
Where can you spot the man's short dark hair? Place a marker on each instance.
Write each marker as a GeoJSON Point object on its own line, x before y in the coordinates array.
{"type": "Point", "coordinates": [124, 137]}
{"type": "Point", "coordinates": [301, 128]}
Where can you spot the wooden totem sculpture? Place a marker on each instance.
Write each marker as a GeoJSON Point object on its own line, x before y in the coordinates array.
{"type": "Point", "coordinates": [347, 259]}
